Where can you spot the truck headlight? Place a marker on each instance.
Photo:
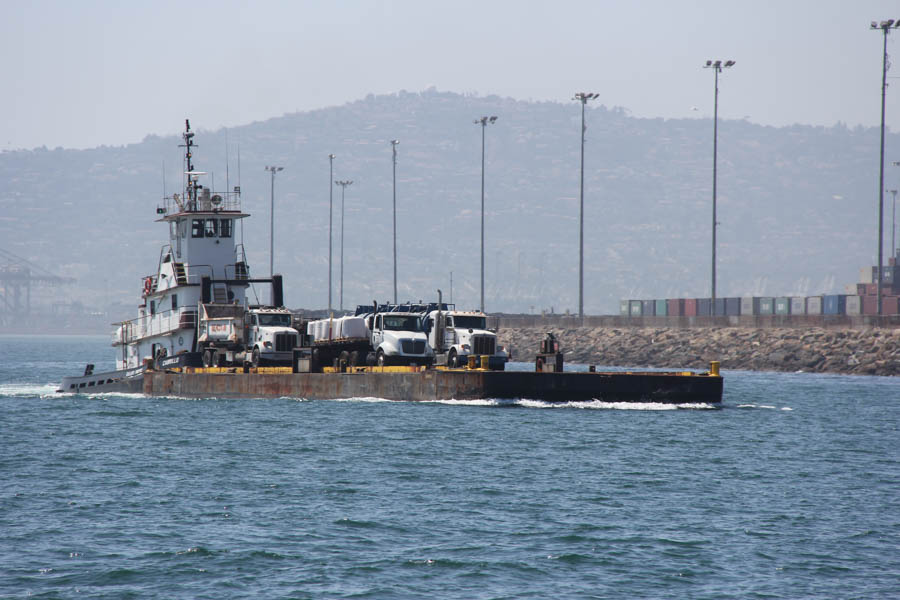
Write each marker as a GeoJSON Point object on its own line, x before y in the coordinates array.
{"type": "Point", "coordinates": [268, 345]}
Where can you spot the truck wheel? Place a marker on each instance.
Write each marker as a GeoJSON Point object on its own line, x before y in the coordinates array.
{"type": "Point", "coordinates": [354, 359]}
{"type": "Point", "coordinates": [380, 358]}
{"type": "Point", "coordinates": [207, 358]}
{"type": "Point", "coordinates": [344, 358]}
{"type": "Point", "coordinates": [452, 360]}
{"type": "Point", "coordinates": [370, 359]}
{"type": "Point", "coordinates": [254, 357]}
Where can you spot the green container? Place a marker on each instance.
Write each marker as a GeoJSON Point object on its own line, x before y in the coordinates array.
{"type": "Point", "coordinates": [782, 306]}
{"type": "Point", "coordinates": [766, 306]}
{"type": "Point", "coordinates": [661, 308]}
{"type": "Point", "coordinates": [623, 308]}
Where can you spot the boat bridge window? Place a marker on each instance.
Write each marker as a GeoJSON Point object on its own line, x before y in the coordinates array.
{"type": "Point", "coordinates": [174, 301]}
{"type": "Point", "coordinates": [197, 228]}
{"type": "Point", "coordinates": [212, 227]}
{"type": "Point", "coordinates": [225, 228]}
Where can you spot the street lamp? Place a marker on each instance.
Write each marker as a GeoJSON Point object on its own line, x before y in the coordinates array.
{"type": "Point", "coordinates": [330, 196]}
{"type": "Point", "coordinates": [582, 97]}
{"type": "Point", "coordinates": [272, 170]}
{"type": "Point", "coordinates": [483, 121]}
{"type": "Point", "coordinates": [394, 144]}
{"type": "Point", "coordinates": [717, 67]}
{"type": "Point", "coordinates": [893, 221]}
{"type": "Point", "coordinates": [343, 184]}
{"type": "Point", "coordinates": [885, 27]}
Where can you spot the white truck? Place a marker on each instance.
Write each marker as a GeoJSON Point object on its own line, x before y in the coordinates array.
{"type": "Point", "coordinates": [457, 334]}
{"type": "Point", "coordinates": [378, 338]}
{"type": "Point", "coordinates": [230, 334]}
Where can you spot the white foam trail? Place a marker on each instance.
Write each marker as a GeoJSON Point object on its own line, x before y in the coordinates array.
{"type": "Point", "coordinates": [25, 390]}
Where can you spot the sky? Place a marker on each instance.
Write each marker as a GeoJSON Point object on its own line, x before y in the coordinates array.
{"type": "Point", "coordinates": [79, 74]}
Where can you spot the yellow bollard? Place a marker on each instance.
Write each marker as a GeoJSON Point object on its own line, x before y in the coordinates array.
{"type": "Point", "coordinates": [471, 361]}
{"type": "Point", "coordinates": [714, 368]}
{"type": "Point", "coordinates": [485, 361]}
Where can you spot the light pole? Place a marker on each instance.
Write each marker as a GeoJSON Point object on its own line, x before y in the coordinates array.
{"type": "Point", "coordinates": [394, 144]}
{"type": "Point", "coordinates": [893, 221]}
{"type": "Point", "coordinates": [583, 98]}
{"type": "Point", "coordinates": [483, 121]}
{"type": "Point", "coordinates": [343, 184]}
{"type": "Point", "coordinates": [885, 27]}
{"type": "Point", "coordinates": [330, 196]}
{"type": "Point", "coordinates": [272, 170]}
{"type": "Point", "coordinates": [717, 67]}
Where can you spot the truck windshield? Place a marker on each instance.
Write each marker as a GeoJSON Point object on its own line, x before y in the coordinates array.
{"type": "Point", "coordinates": [469, 322]}
{"type": "Point", "coordinates": [402, 323]}
{"type": "Point", "coordinates": [274, 320]}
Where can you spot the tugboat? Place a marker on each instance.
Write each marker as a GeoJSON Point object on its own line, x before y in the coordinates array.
{"type": "Point", "coordinates": [201, 257]}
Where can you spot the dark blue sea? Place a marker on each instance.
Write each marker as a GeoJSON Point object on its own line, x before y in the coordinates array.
{"type": "Point", "coordinates": [790, 490]}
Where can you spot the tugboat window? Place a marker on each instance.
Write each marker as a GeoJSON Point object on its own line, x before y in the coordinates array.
{"type": "Point", "coordinates": [174, 301]}
{"type": "Point", "coordinates": [212, 227]}
{"type": "Point", "coordinates": [225, 228]}
{"type": "Point", "coordinates": [197, 228]}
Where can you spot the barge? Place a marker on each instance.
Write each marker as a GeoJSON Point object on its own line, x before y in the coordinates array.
{"type": "Point", "coordinates": [198, 335]}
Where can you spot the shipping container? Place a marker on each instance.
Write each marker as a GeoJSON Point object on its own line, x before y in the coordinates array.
{"type": "Point", "coordinates": [834, 304]}
{"type": "Point", "coordinates": [749, 306]}
{"type": "Point", "coordinates": [623, 308]}
{"type": "Point", "coordinates": [637, 308]}
{"type": "Point", "coordinates": [662, 308]}
{"type": "Point", "coordinates": [720, 307]}
{"type": "Point", "coordinates": [866, 275]}
{"type": "Point", "coordinates": [732, 307]}
{"type": "Point", "coordinates": [782, 305]}
{"type": "Point", "coordinates": [690, 307]}
{"type": "Point", "coordinates": [798, 305]}
{"type": "Point", "coordinates": [862, 289]}
{"type": "Point", "coordinates": [853, 305]}
{"type": "Point", "coordinates": [870, 305]}
{"type": "Point", "coordinates": [675, 307]}
{"type": "Point", "coordinates": [703, 306]}
{"type": "Point", "coordinates": [649, 308]}
{"type": "Point", "coordinates": [814, 305]}
{"type": "Point", "coordinates": [766, 305]}
{"type": "Point", "coordinates": [890, 305]}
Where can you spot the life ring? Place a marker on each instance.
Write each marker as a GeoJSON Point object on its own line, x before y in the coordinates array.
{"type": "Point", "coordinates": [148, 285]}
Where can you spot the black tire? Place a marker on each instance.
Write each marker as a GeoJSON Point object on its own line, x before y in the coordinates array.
{"type": "Point", "coordinates": [370, 359]}
{"type": "Point", "coordinates": [207, 358]}
{"type": "Point", "coordinates": [254, 357]}
{"type": "Point", "coordinates": [344, 358]}
{"type": "Point", "coordinates": [380, 358]}
{"type": "Point", "coordinates": [220, 359]}
{"type": "Point", "coordinates": [354, 359]}
{"type": "Point", "coordinates": [452, 359]}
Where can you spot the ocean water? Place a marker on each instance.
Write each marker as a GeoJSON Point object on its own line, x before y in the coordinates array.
{"type": "Point", "coordinates": [790, 490]}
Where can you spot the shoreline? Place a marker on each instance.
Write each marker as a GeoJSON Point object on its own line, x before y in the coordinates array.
{"type": "Point", "coordinates": [812, 350]}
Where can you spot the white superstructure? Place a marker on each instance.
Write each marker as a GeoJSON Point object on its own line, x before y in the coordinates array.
{"type": "Point", "coordinates": [202, 225]}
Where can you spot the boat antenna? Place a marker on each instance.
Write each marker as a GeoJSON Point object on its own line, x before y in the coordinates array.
{"type": "Point", "coordinates": [227, 186]}
{"type": "Point", "coordinates": [190, 188]}
{"type": "Point", "coordinates": [164, 178]}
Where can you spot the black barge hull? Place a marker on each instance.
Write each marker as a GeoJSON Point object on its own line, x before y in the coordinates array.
{"type": "Point", "coordinates": [675, 388]}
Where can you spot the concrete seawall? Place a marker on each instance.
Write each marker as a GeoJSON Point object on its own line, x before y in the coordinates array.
{"type": "Point", "coordinates": [834, 349]}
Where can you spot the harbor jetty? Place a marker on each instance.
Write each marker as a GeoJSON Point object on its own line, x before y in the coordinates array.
{"type": "Point", "coordinates": [870, 351]}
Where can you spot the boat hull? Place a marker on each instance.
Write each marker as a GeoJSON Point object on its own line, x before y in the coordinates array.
{"type": "Point", "coordinates": [674, 388]}
{"type": "Point", "coordinates": [121, 381]}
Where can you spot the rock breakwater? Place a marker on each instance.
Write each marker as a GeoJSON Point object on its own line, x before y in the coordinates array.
{"type": "Point", "coordinates": [862, 352]}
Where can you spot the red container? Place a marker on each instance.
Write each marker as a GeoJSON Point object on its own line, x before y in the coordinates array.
{"type": "Point", "coordinates": [861, 289]}
{"type": "Point", "coordinates": [890, 305]}
{"type": "Point", "coordinates": [690, 307]}
{"type": "Point", "coordinates": [870, 305]}
{"type": "Point", "coordinates": [675, 307]}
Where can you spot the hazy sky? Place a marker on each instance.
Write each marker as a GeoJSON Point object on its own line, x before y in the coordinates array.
{"type": "Point", "coordinates": [85, 73]}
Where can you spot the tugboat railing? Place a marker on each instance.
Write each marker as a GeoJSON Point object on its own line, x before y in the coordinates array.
{"type": "Point", "coordinates": [157, 324]}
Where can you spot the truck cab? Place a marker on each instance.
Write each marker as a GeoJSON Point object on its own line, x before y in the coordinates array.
{"type": "Point", "coordinates": [269, 336]}
{"type": "Point", "coordinates": [460, 334]}
{"type": "Point", "coordinates": [397, 338]}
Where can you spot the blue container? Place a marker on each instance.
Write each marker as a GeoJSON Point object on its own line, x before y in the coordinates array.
{"type": "Point", "coordinates": [732, 307]}
{"type": "Point", "coordinates": [661, 308]}
{"type": "Point", "coordinates": [834, 305]}
{"type": "Point", "coordinates": [703, 305]}
{"type": "Point", "coordinates": [720, 307]}
{"type": "Point", "coordinates": [649, 308]}
{"type": "Point", "coordinates": [766, 305]}
{"type": "Point", "coordinates": [637, 308]}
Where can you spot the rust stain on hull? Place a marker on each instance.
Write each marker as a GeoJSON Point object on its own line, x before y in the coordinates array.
{"type": "Point", "coordinates": [444, 385]}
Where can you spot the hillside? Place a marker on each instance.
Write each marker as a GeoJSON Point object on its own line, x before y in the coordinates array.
{"type": "Point", "coordinates": [797, 205]}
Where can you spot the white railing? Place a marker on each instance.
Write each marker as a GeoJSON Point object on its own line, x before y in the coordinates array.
{"type": "Point", "coordinates": [159, 323]}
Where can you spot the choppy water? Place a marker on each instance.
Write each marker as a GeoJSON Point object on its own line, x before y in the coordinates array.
{"type": "Point", "coordinates": [790, 490]}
